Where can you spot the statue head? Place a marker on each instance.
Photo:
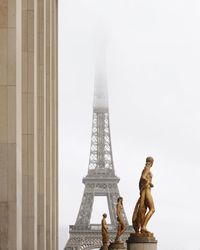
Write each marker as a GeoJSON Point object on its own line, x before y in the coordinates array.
{"type": "Point", "coordinates": [149, 161]}
{"type": "Point", "coordinates": [104, 215]}
{"type": "Point", "coordinates": [120, 199]}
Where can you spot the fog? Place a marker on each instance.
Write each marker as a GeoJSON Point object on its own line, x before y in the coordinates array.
{"type": "Point", "coordinates": [152, 51]}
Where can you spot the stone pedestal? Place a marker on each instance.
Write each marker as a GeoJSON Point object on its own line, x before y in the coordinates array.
{"type": "Point", "coordinates": [141, 242]}
{"type": "Point", "coordinates": [104, 247]}
{"type": "Point", "coordinates": [116, 246]}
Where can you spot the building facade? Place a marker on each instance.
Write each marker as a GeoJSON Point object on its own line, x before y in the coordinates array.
{"type": "Point", "coordinates": [28, 125]}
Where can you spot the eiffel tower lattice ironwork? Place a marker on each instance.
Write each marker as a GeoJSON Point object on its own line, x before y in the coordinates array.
{"type": "Point", "coordinates": [100, 180]}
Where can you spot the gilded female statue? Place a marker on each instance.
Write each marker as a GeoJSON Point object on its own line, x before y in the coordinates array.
{"type": "Point", "coordinates": [121, 224]}
{"type": "Point", "coordinates": [140, 215]}
{"type": "Point", "coordinates": [104, 231]}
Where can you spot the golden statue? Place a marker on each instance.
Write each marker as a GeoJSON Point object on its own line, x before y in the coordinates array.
{"type": "Point", "coordinates": [104, 231]}
{"type": "Point", "coordinates": [121, 224]}
{"type": "Point", "coordinates": [140, 215]}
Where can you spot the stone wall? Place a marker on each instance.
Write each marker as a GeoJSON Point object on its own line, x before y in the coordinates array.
{"type": "Point", "coordinates": [28, 125]}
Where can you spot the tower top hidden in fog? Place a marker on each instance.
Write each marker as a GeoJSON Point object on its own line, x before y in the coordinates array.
{"type": "Point", "coordinates": [100, 85]}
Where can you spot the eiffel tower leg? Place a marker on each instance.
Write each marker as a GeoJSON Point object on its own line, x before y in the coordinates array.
{"type": "Point", "coordinates": [85, 211]}
{"type": "Point", "coordinates": [112, 196]}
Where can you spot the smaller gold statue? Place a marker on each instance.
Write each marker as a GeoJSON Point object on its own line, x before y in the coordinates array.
{"type": "Point", "coordinates": [121, 224]}
{"type": "Point", "coordinates": [140, 215]}
{"type": "Point", "coordinates": [104, 231]}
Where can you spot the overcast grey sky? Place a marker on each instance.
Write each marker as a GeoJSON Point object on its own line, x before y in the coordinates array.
{"type": "Point", "coordinates": [153, 75]}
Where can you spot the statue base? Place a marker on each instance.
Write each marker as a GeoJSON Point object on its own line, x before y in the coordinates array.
{"type": "Point", "coordinates": [141, 241]}
{"type": "Point", "coordinates": [117, 246]}
{"type": "Point", "coordinates": [104, 247]}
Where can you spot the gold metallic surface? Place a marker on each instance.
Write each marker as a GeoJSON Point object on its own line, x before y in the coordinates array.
{"type": "Point", "coordinates": [121, 224]}
{"type": "Point", "coordinates": [144, 207]}
{"type": "Point", "coordinates": [104, 231]}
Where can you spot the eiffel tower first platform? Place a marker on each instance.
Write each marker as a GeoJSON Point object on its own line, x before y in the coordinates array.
{"type": "Point", "coordinates": [100, 180]}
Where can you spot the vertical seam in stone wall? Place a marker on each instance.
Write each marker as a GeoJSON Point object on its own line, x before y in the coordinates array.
{"type": "Point", "coordinates": [45, 123]}
{"type": "Point", "coordinates": [19, 124]}
{"type": "Point", "coordinates": [35, 124]}
{"type": "Point", "coordinates": [53, 126]}
{"type": "Point", "coordinates": [51, 118]}
{"type": "Point", "coordinates": [51, 130]}
{"type": "Point", "coordinates": [56, 123]}
{"type": "Point", "coordinates": [57, 162]}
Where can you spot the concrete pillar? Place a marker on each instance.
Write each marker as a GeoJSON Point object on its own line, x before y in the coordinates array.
{"type": "Point", "coordinates": [28, 125]}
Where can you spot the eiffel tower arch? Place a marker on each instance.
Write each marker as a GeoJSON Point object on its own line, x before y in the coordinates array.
{"type": "Point", "coordinates": [100, 180]}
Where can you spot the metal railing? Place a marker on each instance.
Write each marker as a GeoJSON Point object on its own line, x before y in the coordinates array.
{"type": "Point", "coordinates": [93, 227]}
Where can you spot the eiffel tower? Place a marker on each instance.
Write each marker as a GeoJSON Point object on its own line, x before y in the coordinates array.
{"type": "Point", "coordinates": [100, 180]}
